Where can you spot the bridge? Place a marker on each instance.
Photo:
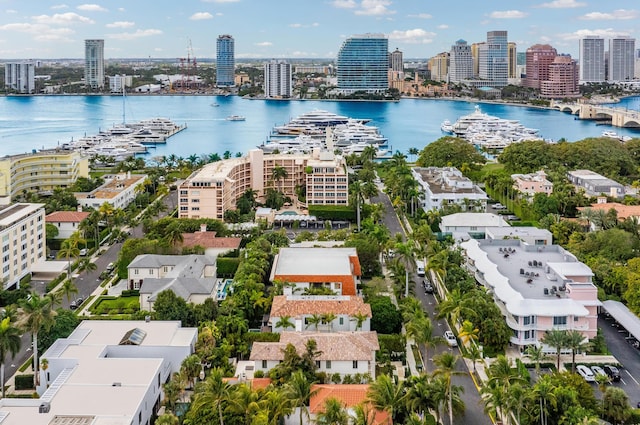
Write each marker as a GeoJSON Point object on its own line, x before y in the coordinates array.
{"type": "Point", "coordinates": [617, 117]}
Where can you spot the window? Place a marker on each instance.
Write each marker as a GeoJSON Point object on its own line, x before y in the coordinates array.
{"type": "Point", "coordinates": [328, 364]}
{"type": "Point", "coordinates": [317, 364]}
{"type": "Point", "coordinates": [528, 320]}
{"type": "Point", "coordinates": [559, 320]}
{"type": "Point", "coordinates": [342, 320]}
{"type": "Point", "coordinates": [264, 364]}
{"type": "Point", "coordinates": [355, 364]}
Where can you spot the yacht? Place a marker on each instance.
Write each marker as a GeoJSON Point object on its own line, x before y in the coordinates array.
{"type": "Point", "coordinates": [235, 118]}
{"type": "Point", "coordinates": [302, 143]}
{"type": "Point", "coordinates": [446, 127]}
{"type": "Point", "coordinates": [315, 121]}
{"type": "Point", "coordinates": [614, 135]}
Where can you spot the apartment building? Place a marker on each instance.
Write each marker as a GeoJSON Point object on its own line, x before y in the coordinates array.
{"type": "Point", "coordinates": [533, 183]}
{"type": "Point", "coordinates": [40, 171]}
{"type": "Point", "coordinates": [94, 63]}
{"type": "Point", "coordinates": [118, 190]}
{"type": "Point", "coordinates": [22, 231]}
{"type": "Point", "coordinates": [595, 184]}
{"type": "Point", "coordinates": [215, 188]}
{"type": "Point", "coordinates": [538, 58]}
{"type": "Point", "coordinates": [445, 187]}
{"type": "Point", "coordinates": [592, 60]}
{"type": "Point", "coordinates": [277, 80]}
{"type": "Point", "coordinates": [20, 77]}
{"type": "Point", "coordinates": [536, 287]}
{"type": "Point", "coordinates": [564, 79]}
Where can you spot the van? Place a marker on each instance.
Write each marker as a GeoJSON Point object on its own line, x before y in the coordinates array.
{"type": "Point", "coordinates": [420, 268]}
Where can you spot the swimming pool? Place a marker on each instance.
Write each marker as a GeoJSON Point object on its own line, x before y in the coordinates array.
{"type": "Point", "coordinates": [222, 288]}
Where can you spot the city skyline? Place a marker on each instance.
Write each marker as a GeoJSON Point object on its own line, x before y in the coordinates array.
{"type": "Point", "coordinates": [288, 29]}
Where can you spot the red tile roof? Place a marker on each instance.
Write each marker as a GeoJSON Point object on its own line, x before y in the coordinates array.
{"type": "Point", "coordinates": [209, 240]}
{"type": "Point", "coordinates": [297, 307]}
{"type": "Point", "coordinates": [624, 211]}
{"type": "Point", "coordinates": [349, 395]}
{"type": "Point", "coordinates": [66, 216]}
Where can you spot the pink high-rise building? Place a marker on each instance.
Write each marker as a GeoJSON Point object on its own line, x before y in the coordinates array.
{"type": "Point", "coordinates": [538, 59]}
{"type": "Point", "coordinates": [563, 79]}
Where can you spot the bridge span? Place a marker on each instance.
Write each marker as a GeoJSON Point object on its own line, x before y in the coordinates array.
{"type": "Point", "coordinates": [617, 117]}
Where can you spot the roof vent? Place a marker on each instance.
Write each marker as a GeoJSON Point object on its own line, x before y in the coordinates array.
{"type": "Point", "coordinates": [45, 407]}
{"type": "Point", "coordinates": [116, 384]}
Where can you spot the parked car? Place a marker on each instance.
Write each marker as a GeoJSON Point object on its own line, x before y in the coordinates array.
{"type": "Point", "coordinates": [450, 338]}
{"type": "Point", "coordinates": [73, 305]}
{"type": "Point", "coordinates": [612, 372]}
{"type": "Point", "coordinates": [79, 301]}
{"type": "Point", "coordinates": [586, 373]}
{"type": "Point", "coordinates": [427, 287]}
{"type": "Point", "coordinates": [499, 206]}
{"type": "Point", "coordinates": [110, 267]}
{"type": "Point", "coordinates": [597, 370]}
{"type": "Point", "coordinates": [84, 252]}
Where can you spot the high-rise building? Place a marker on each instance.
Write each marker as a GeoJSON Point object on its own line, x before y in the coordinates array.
{"type": "Point", "coordinates": [512, 60]}
{"type": "Point", "coordinates": [460, 62]}
{"type": "Point", "coordinates": [563, 79]}
{"type": "Point", "coordinates": [277, 79]}
{"type": "Point", "coordinates": [20, 76]}
{"type": "Point", "coordinates": [521, 58]}
{"type": "Point", "coordinates": [538, 59]}
{"type": "Point", "coordinates": [395, 61]}
{"type": "Point", "coordinates": [94, 63]}
{"type": "Point", "coordinates": [225, 61]}
{"type": "Point", "coordinates": [637, 61]}
{"type": "Point", "coordinates": [439, 66]}
{"type": "Point", "coordinates": [493, 59]}
{"type": "Point", "coordinates": [363, 62]}
{"type": "Point", "coordinates": [592, 60]}
{"type": "Point", "coordinates": [621, 58]}
{"type": "Point", "coordinates": [475, 54]}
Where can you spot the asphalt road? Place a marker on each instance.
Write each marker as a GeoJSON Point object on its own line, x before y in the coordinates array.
{"type": "Point", "coordinates": [474, 410]}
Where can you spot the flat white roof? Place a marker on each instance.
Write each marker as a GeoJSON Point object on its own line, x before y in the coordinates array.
{"type": "Point", "coordinates": [110, 332]}
{"type": "Point", "coordinates": [473, 220]}
{"type": "Point", "coordinates": [527, 231]}
{"type": "Point", "coordinates": [313, 261]}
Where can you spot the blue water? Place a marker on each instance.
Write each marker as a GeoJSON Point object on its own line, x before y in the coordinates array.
{"type": "Point", "coordinates": [38, 122]}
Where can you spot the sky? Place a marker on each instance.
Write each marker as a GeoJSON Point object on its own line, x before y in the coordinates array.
{"type": "Point", "coordinates": [42, 29]}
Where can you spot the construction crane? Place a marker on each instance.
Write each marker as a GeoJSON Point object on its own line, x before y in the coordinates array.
{"type": "Point", "coordinates": [187, 68]}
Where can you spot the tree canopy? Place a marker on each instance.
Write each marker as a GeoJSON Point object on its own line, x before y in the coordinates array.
{"type": "Point", "coordinates": [451, 151]}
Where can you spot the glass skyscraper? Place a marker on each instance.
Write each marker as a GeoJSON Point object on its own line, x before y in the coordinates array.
{"type": "Point", "coordinates": [94, 63]}
{"type": "Point", "coordinates": [363, 64]}
{"type": "Point", "coordinates": [225, 61]}
{"type": "Point", "coordinates": [494, 59]}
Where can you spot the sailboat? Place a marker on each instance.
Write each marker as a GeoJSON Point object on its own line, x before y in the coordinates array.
{"type": "Point", "coordinates": [122, 129]}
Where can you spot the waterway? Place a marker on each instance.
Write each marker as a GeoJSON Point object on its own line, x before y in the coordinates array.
{"type": "Point", "coordinates": [38, 122]}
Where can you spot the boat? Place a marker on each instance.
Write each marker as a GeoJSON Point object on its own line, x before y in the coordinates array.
{"type": "Point", "coordinates": [235, 118]}
{"type": "Point", "coordinates": [314, 121]}
{"type": "Point", "coordinates": [614, 135]}
{"type": "Point", "coordinates": [215, 105]}
{"type": "Point", "coordinates": [446, 127]}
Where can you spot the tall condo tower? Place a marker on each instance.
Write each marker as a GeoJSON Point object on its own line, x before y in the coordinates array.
{"type": "Point", "coordinates": [592, 60]}
{"type": "Point", "coordinates": [460, 62]}
{"type": "Point", "coordinates": [277, 79]}
{"type": "Point", "coordinates": [493, 59]}
{"type": "Point", "coordinates": [538, 58]}
{"type": "Point", "coordinates": [621, 58]}
{"type": "Point", "coordinates": [395, 61]}
{"type": "Point", "coordinates": [225, 61]}
{"type": "Point", "coordinates": [363, 62]}
{"type": "Point", "coordinates": [94, 63]}
{"type": "Point", "coordinates": [20, 76]}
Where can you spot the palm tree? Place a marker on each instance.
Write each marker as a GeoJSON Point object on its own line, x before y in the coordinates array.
{"type": "Point", "coordinates": [473, 353]}
{"type": "Point", "coordinates": [544, 393]}
{"type": "Point", "coordinates": [502, 373]}
{"type": "Point", "coordinates": [284, 323]}
{"type": "Point", "coordinates": [69, 249]}
{"type": "Point", "coordinates": [328, 318]}
{"type": "Point", "coordinates": [413, 152]}
{"type": "Point", "coordinates": [298, 389]}
{"type": "Point", "coordinates": [212, 392]}
{"type": "Point", "coordinates": [356, 189]}
{"type": "Point", "coordinates": [36, 313]}
{"type": "Point", "coordinates": [446, 368]}
{"type": "Point", "coordinates": [245, 402]}
{"type": "Point", "coordinates": [385, 395]}
{"type": "Point", "coordinates": [575, 341]}
{"type": "Point", "coordinates": [359, 318]}
{"type": "Point", "coordinates": [536, 355]}
{"type": "Point", "coordinates": [279, 173]}
{"type": "Point", "coordinates": [453, 306]}
{"type": "Point", "coordinates": [277, 405]}
{"type": "Point", "coordinates": [468, 332]}
{"type": "Point", "coordinates": [421, 330]}
{"type": "Point", "coordinates": [404, 255]}
{"type": "Point", "coordinates": [314, 320]}
{"type": "Point", "coordinates": [68, 289]}
{"type": "Point", "coordinates": [333, 413]}
{"type": "Point", "coordinates": [9, 344]}
{"type": "Point", "coordinates": [86, 265]}
{"type": "Point", "coordinates": [615, 406]}
{"type": "Point", "coordinates": [363, 414]}
{"type": "Point", "coordinates": [557, 339]}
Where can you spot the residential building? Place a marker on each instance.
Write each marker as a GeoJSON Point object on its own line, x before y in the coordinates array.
{"type": "Point", "coordinates": [564, 79]}
{"type": "Point", "coordinates": [623, 211]}
{"type": "Point", "coordinates": [592, 60]}
{"type": "Point", "coordinates": [216, 187]}
{"type": "Point", "coordinates": [190, 277]}
{"type": "Point", "coordinates": [460, 62]}
{"type": "Point", "coordinates": [595, 184]}
{"type": "Point", "coordinates": [277, 80]}
{"type": "Point", "coordinates": [94, 64]}
{"type": "Point", "coordinates": [439, 66]}
{"type": "Point", "coordinates": [301, 308]}
{"type": "Point", "coordinates": [463, 224]}
{"type": "Point", "coordinates": [538, 58]}
{"type": "Point", "coordinates": [40, 171]}
{"type": "Point", "coordinates": [350, 396]}
{"type": "Point", "coordinates": [118, 83]}
{"type": "Point", "coordinates": [20, 77]}
{"type": "Point", "coordinates": [395, 61]}
{"type": "Point", "coordinates": [537, 288]}
{"type": "Point", "coordinates": [213, 245]}
{"type": "Point", "coordinates": [637, 64]}
{"type": "Point", "coordinates": [118, 190]}
{"type": "Point", "coordinates": [313, 69]}
{"type": "Point", "coordinates": [621, 59]}
{"type": "Point", "coordinates": [512, 61]}
{"type": "Point", "coordinates": [336, 269]}
{"type": "Point", "coordinates": [225, 61]}
{"type": "Point", "coordinates": [530, 184]}
{"type": "Point", "coordinates": [493, 59]}
{"type": "Point", "coordinates": [447, 187]}
{"type": "Point", "coordinates": [344, 353]}
{"type": "Point", "coordinates": [125, 363]}
{"type": "Point", "coordinates": [22, 232]}
{"type": "Point", "coordinates": [67, 222]}
{"type": "Point", "coordinates": [362, 64]}
{"type": "Point", "coordinates": [527, 234]}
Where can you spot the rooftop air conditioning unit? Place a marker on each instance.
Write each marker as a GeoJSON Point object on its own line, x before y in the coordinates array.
{"type": "Point", "coordinates": [116, 384]}
{"type": "Point", "coordinates": [45, 407]}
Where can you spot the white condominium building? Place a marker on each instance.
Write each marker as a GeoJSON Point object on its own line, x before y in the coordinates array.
{"type": "Point", "coordinates": [446, 187]}
{"type": "Point", "coordinates": [592, 60]}
{"type": "Point", "coordinates": [94, 63]}
{"type": "Point", "coordinates": [621, 59]}
{"type": "Point", "coordinates": [20, 77]}
{"type": "Point", "coordinates": [277, 79]}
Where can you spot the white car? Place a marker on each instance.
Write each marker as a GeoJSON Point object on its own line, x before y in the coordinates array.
{"type": "Point", "coordinates": [597, 370]}
{"type": "Point", "coordinates": [499, 206]}
{"type": "Point", "coordinates": [586, 373]}
{"type": "Point", "coordinates": [450, 338]}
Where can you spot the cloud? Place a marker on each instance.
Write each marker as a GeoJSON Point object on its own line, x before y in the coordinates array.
{"type": "Point", "coordinates": [414, 36]}
{"type": "Point", "coordinates": [62, 19]}
{"type": "Point", "coordinates": [420, 16]}
{"type": "Point", "coordinates": [121, 24]}
{"type": "Point", "coordinates": [121, 9]}
{"type": "Point", "coordinates": [443, 27]}
{"type": "Point", "coordinates": [344, 4]}
{"type": "Point", "coordinates": [40, 32]}
{"type": "Point", "coordinates": [295, 25]}
{"type": "Point", "coordinates": [507, 14]}
{"type": "Point", "coordinates": [10, 11]}
{"type": "Point", "coordinates": [135, 35]}
{"type": "Point", "coordinates": [59, 6]}
{"type": "Point", "coordinates": [200, 16]}
{"type": "Point", "coordinates": [580, 34]}
{"type": "Point", "coordinates": [91, 8]}
{"type": "Point", "coordinates": [264, 44]}
{"type": "Point", "coordinates": [562, 4]}
{"type": "Point", "coordinates": [375, 8]}
{"type": "Point", "coordinates": [620, 14]}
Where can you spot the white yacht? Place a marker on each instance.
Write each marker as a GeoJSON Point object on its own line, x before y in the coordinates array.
{"type": "Point", "coordinates": [311, 122]}
{"type": "Point", "coordinates": [446, 127]}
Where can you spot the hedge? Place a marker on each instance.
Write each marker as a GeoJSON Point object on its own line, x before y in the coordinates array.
{"type": "Point", "coordinates": [251, 337]}
{"type": "Point", "coordinates": [392, 345]}
{"type": "Point", "coordinates": [333, 212]}
{"type": "Point", "coordinates": [24, 382]}
{"type": "Point", "coordinates": [130, 293]}
{"type": "Point", "coordinates": [226, 267]}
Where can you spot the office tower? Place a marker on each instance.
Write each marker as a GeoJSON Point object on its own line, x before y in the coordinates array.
{"type": "Point", "coordinates": [512, 60]}
{"type": "Point", "coordinates": [225, 61]}
{"type": "Point", "coordinates": [94, 63]}
{"type": "Point", "coordinates": [592, 60]}
{"type": "Point", "coordinates": [277, 79]}
{"type": "Point", "coordinates": [475, 54]}
{"type": "Point", "coordinates": [493, 59]}
{"type": "Point", "coordinates": [538, 59]}
{"type": "Point", "coordinates": [521, 58]}
{"type": "Point", "coordinates": [20, 77]}
{"type": "Point", "coordinates": [395, 61]}
{"type": "Point", "coordinates": [439, 66]}
{"type": "Point", "coordinates": [563, 80]}
{"type": "Point", "coordinates": [621, 59]}
{"type": "Point", "coordinates": [460, 62]}
{"type": "Point", "coordinates": [637, 62]}
{"type": "Point", "coordinates": [363, 62]}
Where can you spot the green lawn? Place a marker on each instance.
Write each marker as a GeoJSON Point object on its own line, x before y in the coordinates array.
{"type": "Point", "coordinates": [115, 305]}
